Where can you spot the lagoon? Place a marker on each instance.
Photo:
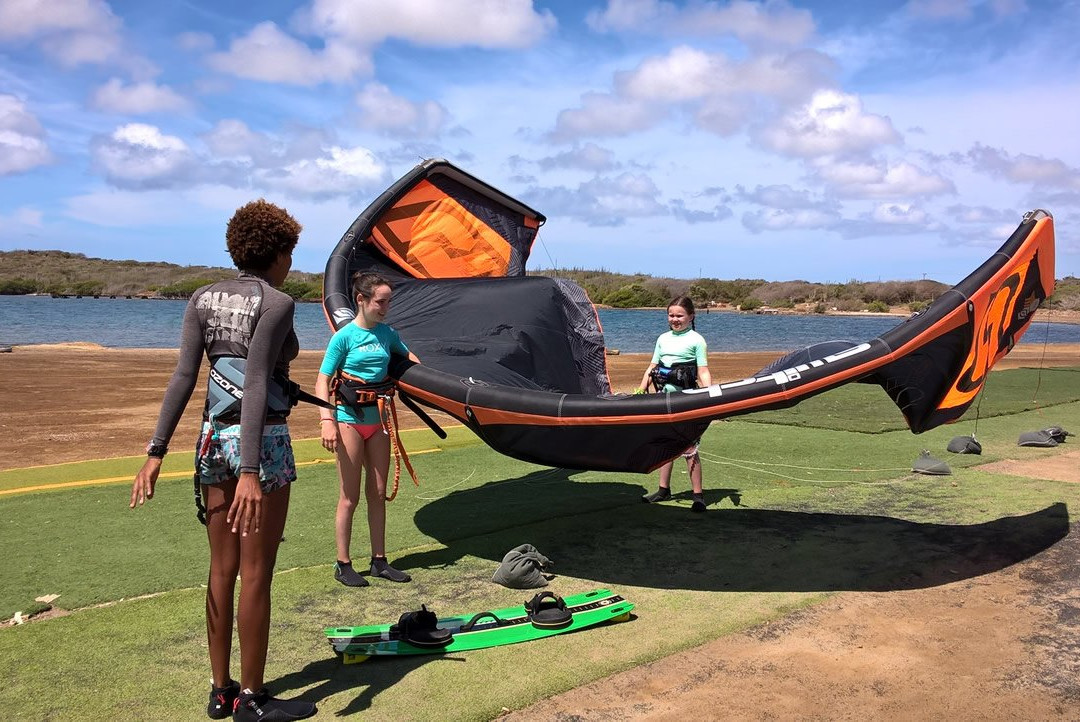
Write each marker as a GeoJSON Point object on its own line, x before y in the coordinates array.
{"type": "Point", "coordinates": [151, 323]}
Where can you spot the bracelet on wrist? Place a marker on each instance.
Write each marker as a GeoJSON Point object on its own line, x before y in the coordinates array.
{"type": "Point", "coordinates": [321, 420]}
{"type": "Point", "coordinates": [157, 450]}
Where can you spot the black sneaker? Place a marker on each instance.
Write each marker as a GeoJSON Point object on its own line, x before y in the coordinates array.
{"type": "Point", "coordinates": [660, 494]}
{"type": "Point", "coordinates": [222, 699]}
{"type": "Point", "coordinates": [699, 504]}
{"type": "Point", "coordinates": [261, 707]}
{"type": "Point", "coordinates": [381, 568]}
{"type": "Point", "coordinates": [348, 576]}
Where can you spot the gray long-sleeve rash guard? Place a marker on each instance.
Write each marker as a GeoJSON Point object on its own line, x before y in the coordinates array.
{"type": "Point", "coordinates": [244, 317]}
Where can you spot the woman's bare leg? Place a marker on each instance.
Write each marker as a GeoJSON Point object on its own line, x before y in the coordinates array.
{"type": "Point", "coordinates": [376, 469]}
{"type": "Point", "coordinates": [693, 465]}
{"type": "Point", "coordinates": [258, 554]}
{"type": "Point", "coordinates": [350, 464]}
{"type": "Point", "coordinates": [665, 475]}
{"type": "Point", "coordinates": [224, 566]}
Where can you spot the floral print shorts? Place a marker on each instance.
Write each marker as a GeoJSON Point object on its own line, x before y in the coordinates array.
{"type": "Point", "coordinates": [221, 460]}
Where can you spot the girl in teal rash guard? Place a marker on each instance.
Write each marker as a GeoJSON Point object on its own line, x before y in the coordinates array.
{"type": "Point", "coordinates": [356, 435]}
{"type": "Point", "coordinates": [680, 360]}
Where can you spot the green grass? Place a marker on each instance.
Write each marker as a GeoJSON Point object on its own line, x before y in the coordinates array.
{"type": "Point", "coordinates": [795, 514]}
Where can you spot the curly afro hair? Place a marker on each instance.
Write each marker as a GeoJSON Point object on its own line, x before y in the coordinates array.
{"type": "Point", "coordinates": [258, 233]}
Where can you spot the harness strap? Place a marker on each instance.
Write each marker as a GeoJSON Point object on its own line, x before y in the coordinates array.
{"type": "Point", "coordinates": [390, 423]}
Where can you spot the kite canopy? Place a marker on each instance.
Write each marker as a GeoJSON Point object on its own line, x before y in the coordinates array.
{"type": "Point", "coordinates": [520, 359]}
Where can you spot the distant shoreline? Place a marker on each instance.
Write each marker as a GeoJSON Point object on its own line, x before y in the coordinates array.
{"type": "Point", "coordinates": [1042, 315]}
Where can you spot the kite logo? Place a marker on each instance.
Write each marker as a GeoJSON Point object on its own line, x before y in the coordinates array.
{"type": "Point", "coordinates": [784, 377]}
{"type": "Point", "coordinates": [990, 331]}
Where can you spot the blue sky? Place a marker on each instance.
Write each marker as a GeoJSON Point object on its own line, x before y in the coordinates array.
{"type": "Point", "coordinates": [777, 140]}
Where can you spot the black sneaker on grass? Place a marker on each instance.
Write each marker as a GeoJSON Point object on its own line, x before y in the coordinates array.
{"type": "Point", "coordinates": [261, 707]}
{"type": "Point", "coordinates": [381, 568]}
{"type": "Point", "coordinates": [660, 494]}
{"type": "Point", "coordinates": [348, 576]}
{"type": "Point", "coordinates": [699, 504]}
{"type": "Point", "coordinates": [221, 700]}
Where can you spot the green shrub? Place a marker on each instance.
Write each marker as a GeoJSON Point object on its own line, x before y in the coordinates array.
{"type": "Point", "coordinates": [18, 286]}
{"type": "Point", "coordinates": [918, 306]}
{"type": "Point", "coordinates": [877, 307]}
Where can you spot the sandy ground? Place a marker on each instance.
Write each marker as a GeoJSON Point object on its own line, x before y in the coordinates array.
{"type": "Point", "coordinates": [1004, 645]}
{"type": "Point", "coordinates": [71, 402]}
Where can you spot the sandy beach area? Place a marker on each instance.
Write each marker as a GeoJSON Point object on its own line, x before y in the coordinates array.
{"type": "Point", "coordinates": [73, 402]}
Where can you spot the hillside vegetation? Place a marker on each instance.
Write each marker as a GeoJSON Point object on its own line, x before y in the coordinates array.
{"type": "Point", "coordinates": [60, 272]}
{"type": "Point", "coordinates": [66, 273]}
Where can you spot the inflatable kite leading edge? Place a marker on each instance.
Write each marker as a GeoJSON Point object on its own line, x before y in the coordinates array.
{"type": "Point", "coordinates": [520, 359]}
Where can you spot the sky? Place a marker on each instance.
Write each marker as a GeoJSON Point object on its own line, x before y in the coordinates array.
{"type": "Point", "coordinates": [820, 141]}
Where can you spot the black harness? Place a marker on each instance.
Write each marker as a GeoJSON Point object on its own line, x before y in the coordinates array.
{"type": "Point", "coordinates": [682, 375]}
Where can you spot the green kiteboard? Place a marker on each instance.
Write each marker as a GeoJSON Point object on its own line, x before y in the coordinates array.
{"type": "Point", "coordinates": [487, 629]}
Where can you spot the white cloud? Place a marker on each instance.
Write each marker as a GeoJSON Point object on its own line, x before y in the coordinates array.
{"type": "Point", "coordinates": [338, 171]}
{"type": "Point", "coordinates": [137, 98]}
{"type": "Point", "coordinates": [384, 111]}
{"type": "Point", "coordinates": [114, 208]}
{"type": "Point", "coordinates": [1024, 168]}
{"type": "Point", "coordinates": [602, 201]}
{"type": "Point", "coordinates": [195, 41]}
{"type": "Point", "coordinates": [686, 73]}
{"type": "Point", "coordinates": [270, 55]}
{"type": "Point", "coordinates": [431, 23]}
{"type": "Point", "coordinates": [780, 196]}
{"type": "Point", "coordinates": [898, 214]}
{"type": "Point", "coordinates": [589, 157]}
{"type": "Point", "coordinates": [22, 139]}
{"type": "Point", "coordinates": [831, 124]}
{"type": "Point", "coordinates": [141, 156]}
{"type": "Point", "coordinates": [232, 138]}
{"type": "Point", "coordinates": [980, 214]}
{"type": "Point", "coordinates": [774, 22]}
{"type": "Point", "coordinates": [779, 219]}
{"type": "Point", "coordinates": [603, 114]}
{"type": "Point", "coordinates": [882, 180]}
{"type": "Point", "coordinates": [73, 32]}
{"type": "Point", "coordinates": [940, 9]}
{"type": "Point", "coordinates": [28, 19]}
{"type": "Point", "coordinates": [23, 217]}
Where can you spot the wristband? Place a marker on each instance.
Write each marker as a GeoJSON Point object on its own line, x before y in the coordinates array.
{"type": "Point", "coordinates": [322, 420]}
{"type": "Point", "coordinates": [156, 449]}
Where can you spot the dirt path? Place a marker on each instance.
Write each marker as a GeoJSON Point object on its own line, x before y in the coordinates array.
{"type": "Point", "coordinates": [998, 647]}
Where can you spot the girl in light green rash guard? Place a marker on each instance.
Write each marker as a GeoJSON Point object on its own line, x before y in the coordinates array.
{"type": "Point", "coordinates": [679, 361]}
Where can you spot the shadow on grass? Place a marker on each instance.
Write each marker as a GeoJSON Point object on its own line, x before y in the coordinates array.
{"type": "Point", "coordinates": [601, 531]}
{"type": "Point", "coordinates": [370, 678]}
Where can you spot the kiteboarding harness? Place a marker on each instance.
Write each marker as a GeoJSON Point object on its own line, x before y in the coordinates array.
{"type": "Point", "coordinates": [228, 313]}
{"type": "Point", "coordinates": [355, 393]}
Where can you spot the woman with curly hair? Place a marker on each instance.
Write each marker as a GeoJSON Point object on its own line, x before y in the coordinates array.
{"type": "Point", "coordinates": [244, 463]}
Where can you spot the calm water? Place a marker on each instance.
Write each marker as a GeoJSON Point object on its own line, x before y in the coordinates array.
{"type": "Point", "coordinates": [144, 323]}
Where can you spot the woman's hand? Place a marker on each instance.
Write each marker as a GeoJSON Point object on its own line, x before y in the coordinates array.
{"type": "Point", "coordinates": [143, 486]}
{"type": "Point", "coordinates": [328, 430]}
{"type": "Point", "coordinates": [246, 509]}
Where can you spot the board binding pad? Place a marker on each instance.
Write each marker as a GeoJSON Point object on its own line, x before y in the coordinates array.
{"type": "Point", "coordinates": [478, 631]}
